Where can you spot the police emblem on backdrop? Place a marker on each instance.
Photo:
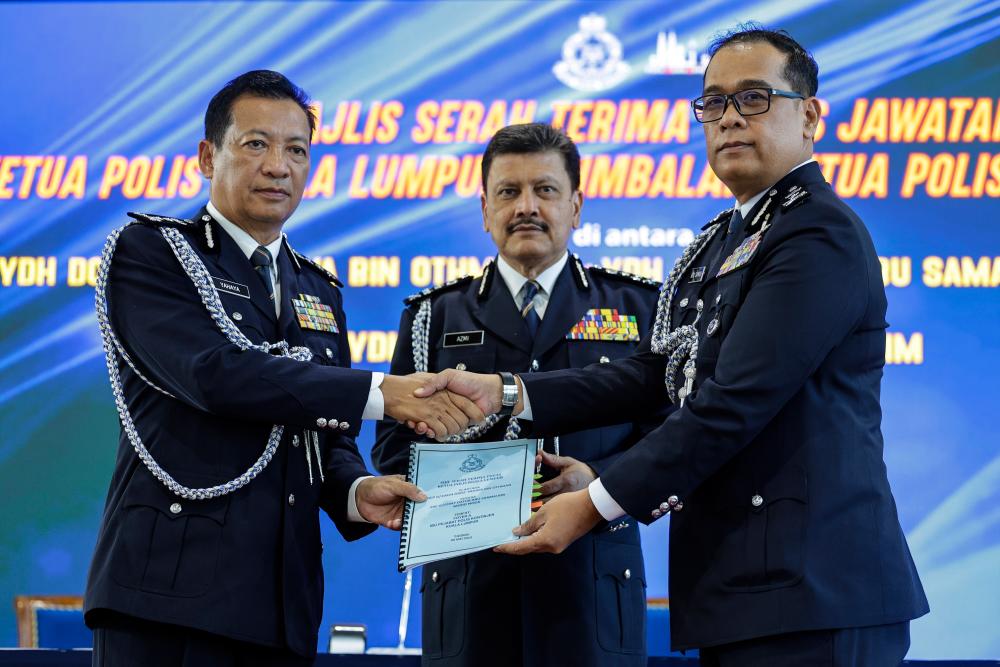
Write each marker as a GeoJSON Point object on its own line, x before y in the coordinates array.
{"type": "Point", "coordinates": [312, 314]}
{"type": "Point", "coordinates": [592, 57]}
{"type": "Point", "coordinates": [605, 324]}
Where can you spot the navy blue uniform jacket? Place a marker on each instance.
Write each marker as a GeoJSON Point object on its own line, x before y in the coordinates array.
{"type": "Point", "coordinates": [788, 522]}
{"type": "Point", "coordinates": [581, 607]}
{"type": "Point", "coordinates": [245, 565]}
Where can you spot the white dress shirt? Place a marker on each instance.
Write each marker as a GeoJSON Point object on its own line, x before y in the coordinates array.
{"type": "Point", "coordinates": [546, 282]}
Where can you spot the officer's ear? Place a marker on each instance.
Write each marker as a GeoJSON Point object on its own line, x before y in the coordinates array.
{"type": "Point", "coordinates": [812, 112]}
{"type": "Point", "coordinates": [206, 158]}
{"type": "Point", "coordinates": [577, 197]}
{"type": "Point", "coordinates": [482, 204]}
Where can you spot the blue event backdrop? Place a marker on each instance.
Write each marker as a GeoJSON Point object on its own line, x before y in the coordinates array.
{"type": "Point", "coordinates": [115, 82]}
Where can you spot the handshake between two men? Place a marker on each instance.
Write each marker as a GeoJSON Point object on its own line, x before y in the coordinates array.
{"type": "Point", "coordinates": [446, 403]}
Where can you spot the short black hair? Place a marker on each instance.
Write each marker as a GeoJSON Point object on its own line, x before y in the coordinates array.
{"type": "Point", "coordinates": [257, 83]}
{"type": "Point", "coordinates": [533, 138]}
{"type": "Point", "coordinates": [801, 69]}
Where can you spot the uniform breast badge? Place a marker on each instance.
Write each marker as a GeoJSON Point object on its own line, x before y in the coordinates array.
{"type": "Point", "coordinates": [312, 314]}
{"type": "Point", "coordinates": [605, 324]}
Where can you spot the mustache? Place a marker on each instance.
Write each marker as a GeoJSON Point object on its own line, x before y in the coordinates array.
{"type": "Point", "coordinates": [531, 222]}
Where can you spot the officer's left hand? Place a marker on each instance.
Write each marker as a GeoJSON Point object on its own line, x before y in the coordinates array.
{"type": "Point", "coordinates": [381, 499]}
{"type": "Point", "coordinates": [573, 475]}
{"type": "Point", "coordinates": [555, 526]}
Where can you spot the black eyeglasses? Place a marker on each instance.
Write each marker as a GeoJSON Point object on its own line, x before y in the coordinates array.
{"type": "Point", "coordinates": [749, 102]}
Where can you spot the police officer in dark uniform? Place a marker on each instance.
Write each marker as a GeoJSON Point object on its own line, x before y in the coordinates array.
{"type": "Point", "coordinates": [785, 545]}
{"type": "Point", "coordinates": [536, 307]}
{"type": "Point", "coordinates": [228, 360]}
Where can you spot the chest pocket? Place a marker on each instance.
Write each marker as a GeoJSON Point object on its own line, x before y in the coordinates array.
{"type": "Point", "coordinates": [585, 352]}
{"type": "Point", "coordinates": [718, 316]}
{"type": "Point", "coordinates": [475, 358]}
{"type": "Point", "coordinates": [685, 308]}
{"type": "Point", "coordinates": [244, 315]}
{"type": "Point", "coordinates": [325, 347]}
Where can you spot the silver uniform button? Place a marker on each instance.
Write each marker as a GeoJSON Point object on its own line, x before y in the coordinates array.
{"type": "Point", "coordinates": [175, 508]}
{"type": "Point", "coordinates": [344, 426]}
{"type": "Point", "coordinates": [434, 577]}
{"type": "Point", "coordinates": [756, 501]}
{"type": "Point", "coordinates": [713, 326]}
{"type": "Point", "coordinates": [683, 303]}
{"type": "Point", "coordinates": [321, 422]}
{"type": "Point", "coordinates": [627, 574]}
{"type": "Point", "coordinates": [206, 218]}
{"type": "Point", "coordinates": [291, 499]}
{"type": "Point", "coordinates": [295, 441]}
{"type": "Point", "coordinates": [534, 364]}
{"type": "Point", "coordinates": [332, 423]}
{"type": "Point", "coordinates": [679, 506]}
{"type": "Point", "coordinates": [657, 514]}
{"type": "Point", "coordinates": [604, 360]}
{"type": "Point", "coordinates": [673, 500]}
{"type": "Point", "coordinates": [237, 316]}
{"type": "Point", "coordinates": [460, 366]}
{"type": "Point", "coordinates": [664, 508]}
{"type": "Point", "coordinates": [329, 353]}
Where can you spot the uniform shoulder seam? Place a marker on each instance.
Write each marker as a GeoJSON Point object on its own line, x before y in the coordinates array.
{"type": "Point", "coordinates": [434, 291]}
{"type": "Point", "coordinates": [624, 276]}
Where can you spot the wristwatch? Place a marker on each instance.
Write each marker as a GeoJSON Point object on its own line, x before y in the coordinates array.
{"type": "Point", "coordinates": [509, 397]}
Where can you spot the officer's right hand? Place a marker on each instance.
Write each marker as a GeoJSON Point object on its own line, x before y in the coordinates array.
{"type": "Point", "coordinates": [444, 413]}
{"type": "Point", "coordinates": [485, 391]}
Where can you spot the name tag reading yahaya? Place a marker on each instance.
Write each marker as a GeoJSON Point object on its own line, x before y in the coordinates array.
{"type": "Point", "coordinates": [476, 493]}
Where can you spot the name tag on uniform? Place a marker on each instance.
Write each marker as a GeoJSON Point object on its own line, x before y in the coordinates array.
{"type": "Point", "coordinates": [462, 338]}
{"type": "Point", "coordinates": [229, 287]}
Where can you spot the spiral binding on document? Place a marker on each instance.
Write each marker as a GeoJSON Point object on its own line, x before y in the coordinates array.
{"type": "Point", "coordinates": [404, 532]}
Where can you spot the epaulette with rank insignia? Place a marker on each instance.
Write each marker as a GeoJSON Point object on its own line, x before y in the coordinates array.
{"type": "Point", "coordinates": [431, 291]}
{"type": "Point", "coordinates": [625, 276]}
{"type": "Point", "coordinates": [301, 259]}
{"type": "Point", "coordinates": [159, 220]}
{"type": "Point", "coordinates": [794, 196]}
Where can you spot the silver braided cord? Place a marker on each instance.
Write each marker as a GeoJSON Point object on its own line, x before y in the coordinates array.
{"type": "Point", "coordinates": [101, 306]}
{"type": "Point", "coordinates": [681, 344]}
{"type": "Point", "coordinates": [421, 333]}
{"type": "Point", "coordinates": [196, 270]}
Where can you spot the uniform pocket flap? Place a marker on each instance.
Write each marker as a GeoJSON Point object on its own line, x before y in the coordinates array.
{"type": "Point", "coordinates": [147, 492]}
{"type": "Point", "coordinates": [438, 575]}
{"type": "Point", "coordinates": [790, 485]}
{"type": "Point", "coordinates": [623, 562]}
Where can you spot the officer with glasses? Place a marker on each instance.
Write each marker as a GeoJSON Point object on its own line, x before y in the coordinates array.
{"type": "Point", "coordinates": [768, 347]}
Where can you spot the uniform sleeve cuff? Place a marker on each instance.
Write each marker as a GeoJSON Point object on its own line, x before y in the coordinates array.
{"type": "Point", "coordinates": [352, 501]}
{"type": "Point", "coordinates": [526, 403]}
{"type": "Point", "coordinates": [603, 501]}
{"type": "Point", "coordinates": [375, 407]}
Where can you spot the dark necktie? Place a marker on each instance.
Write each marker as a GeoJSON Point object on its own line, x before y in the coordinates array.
{"type": "Point", "coordinates": [261, 260]}
{"type": "Point", "coordinates": [736, 221]}
{"type": "Point", "coordinates": [528, 312]}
